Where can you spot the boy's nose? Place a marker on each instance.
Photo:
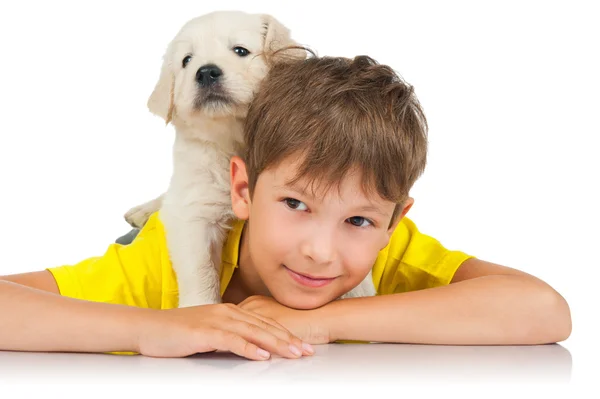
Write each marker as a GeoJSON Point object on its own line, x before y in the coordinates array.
{"type": "Point", "coordinates": [320, 247]}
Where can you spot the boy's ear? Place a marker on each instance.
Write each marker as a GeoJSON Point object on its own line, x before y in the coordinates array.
{"type": "Point", "coordinates": [407, 205]}
{"type": "Point", "coordinates": [240, 195]}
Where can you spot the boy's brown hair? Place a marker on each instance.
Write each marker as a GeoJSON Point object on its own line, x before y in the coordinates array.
{"type": "Point", "coordinates": [338, 115]}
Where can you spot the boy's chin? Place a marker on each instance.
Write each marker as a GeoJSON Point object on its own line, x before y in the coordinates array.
{"type": "Point", "coordinates": [302, 301]}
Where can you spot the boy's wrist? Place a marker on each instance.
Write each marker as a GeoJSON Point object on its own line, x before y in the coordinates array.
{"type": "Point", "coordinates": [140, 324]}
{"type": "Point", "coordinates": [348, 319]}
{"type": "Point", "coordinates": [332, 317]}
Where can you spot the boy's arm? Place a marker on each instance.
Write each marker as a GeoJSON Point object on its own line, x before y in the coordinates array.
{"type": "Point", "coordinates": [34, 318]}
{"type": "Point", "coordinates": [39, 320]}
{"type": "Point", "coordinates": [42, 280]}
{"type": "Point", "coordinates": [486, 304]}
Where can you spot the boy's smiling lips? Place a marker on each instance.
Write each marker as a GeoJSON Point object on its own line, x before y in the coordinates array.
{"type": "Point", "coordinates": [307, 280]}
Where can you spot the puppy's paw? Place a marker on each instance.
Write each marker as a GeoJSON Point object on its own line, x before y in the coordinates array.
{"type": "Point", "coordinates": [138, 216]}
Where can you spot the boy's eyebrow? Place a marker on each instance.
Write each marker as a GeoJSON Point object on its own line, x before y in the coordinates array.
{"type": "Point", "coordinates": [370, 208]}
{"type": "Point", "coordinates": [295, 188]}
{"type": "Point", "coordinates": [304, 193]}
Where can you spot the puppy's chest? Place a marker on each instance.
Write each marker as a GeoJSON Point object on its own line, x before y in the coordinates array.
{"type": "Point", "coordinates": [210, 177]}
{"type": "Point", "coordinates": [198, 162]}
{"type": "Point", "coordinates": [200, 192]}
{"type": "Point", "coordinates": [200, 179]}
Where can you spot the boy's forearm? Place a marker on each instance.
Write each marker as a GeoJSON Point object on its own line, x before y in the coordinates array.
{"type": "Point", "coordinates": [491, 310]}
{"type": "Point", "coordinates": [34, 320]}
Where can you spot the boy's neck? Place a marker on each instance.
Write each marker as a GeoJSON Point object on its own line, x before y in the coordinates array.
{"type": "Point", "coordinates": [245, 282]}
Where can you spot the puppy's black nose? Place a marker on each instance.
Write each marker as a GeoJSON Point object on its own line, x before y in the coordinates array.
{"type": "Point", "coordinates": [208, 74]}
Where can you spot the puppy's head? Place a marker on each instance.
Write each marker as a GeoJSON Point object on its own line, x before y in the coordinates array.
{"type": "Point", "coordinates": [215, 63]}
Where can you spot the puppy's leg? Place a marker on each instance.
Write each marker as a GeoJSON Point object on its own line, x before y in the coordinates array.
{"type": "Point", "coordinates": [138, 216]}
{"type": "Point", "coordinates": [192, 246]}
{"type": "Point", "coordinates": [364, 289]}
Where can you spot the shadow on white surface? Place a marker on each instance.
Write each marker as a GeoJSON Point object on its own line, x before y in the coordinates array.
{"type": "Point", "coordinates": [353, 363]}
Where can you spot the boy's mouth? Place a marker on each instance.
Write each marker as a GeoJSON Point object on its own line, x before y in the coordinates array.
{"type": "Point", "coordinates": [307, 280]}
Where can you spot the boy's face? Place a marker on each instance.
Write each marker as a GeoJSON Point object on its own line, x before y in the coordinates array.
{"type": "Point", "coordinates": [307, 251]}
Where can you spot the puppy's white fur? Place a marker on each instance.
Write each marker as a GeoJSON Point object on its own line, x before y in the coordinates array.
{"type": "Point", "coordinates": [196, 208]}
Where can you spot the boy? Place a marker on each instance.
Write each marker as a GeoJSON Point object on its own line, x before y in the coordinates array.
{"type": "Point", "coordinates": [334, 146]}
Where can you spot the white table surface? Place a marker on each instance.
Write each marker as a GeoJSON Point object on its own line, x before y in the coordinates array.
{"type": "Point", "coordinates": [332, 364]}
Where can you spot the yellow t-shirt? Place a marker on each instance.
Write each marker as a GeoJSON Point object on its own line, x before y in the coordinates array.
{"type": "Point", "coordinates": [140, 274]}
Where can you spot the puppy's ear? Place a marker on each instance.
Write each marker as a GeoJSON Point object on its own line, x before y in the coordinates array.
{"type": "Point", "coordinates": [161, 102]}
{"type": "Point", "coordinates": [277, 38]}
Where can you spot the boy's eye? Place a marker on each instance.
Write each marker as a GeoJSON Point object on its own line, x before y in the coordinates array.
{"type": "Point", "coordinates": [295, 204]}
{"type": "Point", "coordinates": [359, 221]}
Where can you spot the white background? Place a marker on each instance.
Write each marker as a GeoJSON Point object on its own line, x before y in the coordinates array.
{"type": "Point", "coordinates": [510, 89]}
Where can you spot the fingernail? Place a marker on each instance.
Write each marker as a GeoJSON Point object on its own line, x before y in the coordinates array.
{"type": "Point", "coordinates": [294, 349]}
{"type": "Point", "coordinates": [263, 353]}
{"type": "Point", "coordinates": [308, 348]}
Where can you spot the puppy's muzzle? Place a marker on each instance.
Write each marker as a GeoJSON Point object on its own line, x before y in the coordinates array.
{"type": "Point", "coordinates": [208, 75]}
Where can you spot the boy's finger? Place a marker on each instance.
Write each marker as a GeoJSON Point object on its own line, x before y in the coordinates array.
{"type": "Point", "coordinates": [276, 329]}
{"type": "Point", "coordinates": [229, 341]}
{"type": "Point", "coordinates": [264, 319]}
{"type": "Point", "coordinates": [266, 338]}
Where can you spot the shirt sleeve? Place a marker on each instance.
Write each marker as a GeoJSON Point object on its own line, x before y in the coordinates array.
{"type": "Point", "coordinates": [414, 261]}
{"type": "Point", "coordinates": [125, 274]}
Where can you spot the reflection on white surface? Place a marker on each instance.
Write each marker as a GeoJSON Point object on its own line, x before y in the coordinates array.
{"type": "Point", "coordinates": [381, 363]}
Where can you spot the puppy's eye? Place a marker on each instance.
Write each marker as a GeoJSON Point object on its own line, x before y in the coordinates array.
{"type": "Point", "coordinates": [186, 60]}
{"type": "Point", "coordinates": [242, 52]}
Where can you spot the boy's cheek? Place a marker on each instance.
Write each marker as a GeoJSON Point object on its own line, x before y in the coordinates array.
{"type": "Point", "coordinates": [270, 219]}
{"type": "Point", "coordinates": [360, 261]}
{"type": "Point", "coordinates": [278, 230]}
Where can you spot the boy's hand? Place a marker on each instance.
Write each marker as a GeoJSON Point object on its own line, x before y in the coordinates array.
{"type": "Point", "coordinates": [303, 323]}
{"type": "Point", "coordinates": [186, 331]}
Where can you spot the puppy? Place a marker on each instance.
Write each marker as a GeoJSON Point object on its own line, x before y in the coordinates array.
{"type": "Point", "coordinates": [209, 74]}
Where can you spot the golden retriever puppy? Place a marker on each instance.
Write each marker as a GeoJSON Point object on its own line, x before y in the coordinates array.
{"type": "Point", "coordinates": [209, 74]}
